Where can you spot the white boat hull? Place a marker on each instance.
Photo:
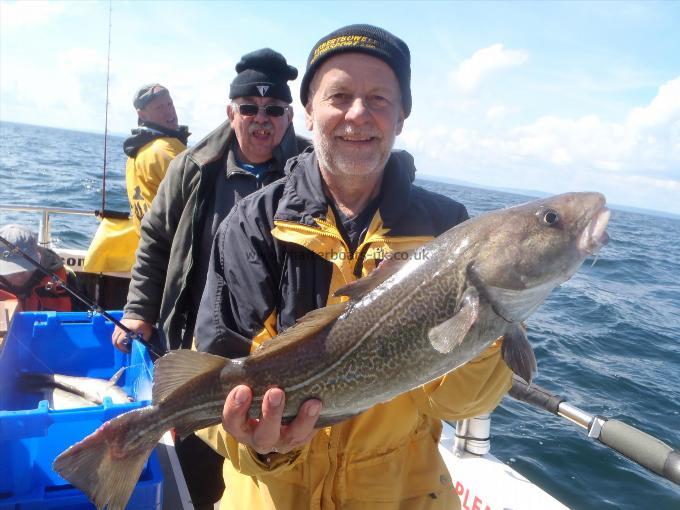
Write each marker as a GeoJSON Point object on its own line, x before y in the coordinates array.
{"type": "Point", "coordinates": [484, 483]}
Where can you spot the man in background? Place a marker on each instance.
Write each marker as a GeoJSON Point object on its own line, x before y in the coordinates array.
{"type": "Point", "coordinates": [151, 148]}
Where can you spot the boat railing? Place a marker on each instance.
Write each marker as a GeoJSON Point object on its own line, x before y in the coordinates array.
{"type": "Point", "coordinates": [44, 232]}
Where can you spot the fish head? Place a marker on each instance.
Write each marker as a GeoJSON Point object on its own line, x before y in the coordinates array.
{"type": "Point", "coordinates": [524, 252]}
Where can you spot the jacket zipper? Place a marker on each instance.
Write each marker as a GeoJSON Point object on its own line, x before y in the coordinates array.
{"type": "Point", "coordinates": [316, 231]}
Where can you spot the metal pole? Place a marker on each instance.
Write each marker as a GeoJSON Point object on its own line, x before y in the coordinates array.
{"type": "Point", "coordinates": [473, 435]}
{"type": "Point", "coordinates": [461, 437]}
{"type": "Point", "coordinates": [575, 415]}
{"type": "Point", "coordinates": [44, 236]}
{"type": "Point", "coordinates": [638, 446]}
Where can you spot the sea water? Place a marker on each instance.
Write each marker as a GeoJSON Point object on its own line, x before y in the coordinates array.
{"type": "Point", "coordinates": [608, 339]}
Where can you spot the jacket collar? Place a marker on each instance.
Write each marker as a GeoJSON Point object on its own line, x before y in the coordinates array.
{"type": "Point", "coordinates": [304, 199]}
{"type": "Point", "coordinates": [147, 132]}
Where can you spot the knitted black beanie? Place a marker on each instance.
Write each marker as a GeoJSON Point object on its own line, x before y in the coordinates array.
{"type": "Point", "coordinates": [367, 39]}
{"type": "Point", "coordinates": [263, 73]}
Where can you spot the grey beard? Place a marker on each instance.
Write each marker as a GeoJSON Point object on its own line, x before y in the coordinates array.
{"type": "Point", "coordinates": [337, 164]}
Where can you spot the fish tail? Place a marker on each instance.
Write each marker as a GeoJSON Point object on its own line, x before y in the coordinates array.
{"type": "Point", "coordinates": [106, 465]}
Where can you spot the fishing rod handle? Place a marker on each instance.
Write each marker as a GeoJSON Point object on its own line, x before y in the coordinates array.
{"type": "Point", "coordinates": [642, 448]}
{"type": "Point", "coordinates": [535, 395]}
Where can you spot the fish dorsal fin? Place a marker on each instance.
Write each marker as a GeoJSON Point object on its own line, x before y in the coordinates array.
{"type": "Point", "coordinates": [449, 334]}
{"type": "Point", "coordinates": [517, 352]}
{"type": "Point", "coordinates": [180, 366]}
{"type": "Point", "coordinates": [305, 328]}
{"type": "Point", "coordinates": [386, 268]}
{"type": "Point", "coordinates": [516, 305]}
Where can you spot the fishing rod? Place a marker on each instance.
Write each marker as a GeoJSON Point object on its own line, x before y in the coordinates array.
{"type": "Point", "coordinates": [106, 112]}
{"type": "Point", "coordinates": [91, 305]}
{"type": "Point", "coordinates": [634, 444]}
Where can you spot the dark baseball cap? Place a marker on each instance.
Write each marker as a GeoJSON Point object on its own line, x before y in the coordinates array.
{"type": "Point", "coordinates": [148, 93]}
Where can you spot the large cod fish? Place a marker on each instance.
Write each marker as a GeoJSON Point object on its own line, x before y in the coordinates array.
{"type": "Point", "coordinates": [403, 326]}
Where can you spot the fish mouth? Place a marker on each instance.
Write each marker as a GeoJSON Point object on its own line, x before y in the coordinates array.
{"type": "Point", "coordinates": [595, 236]}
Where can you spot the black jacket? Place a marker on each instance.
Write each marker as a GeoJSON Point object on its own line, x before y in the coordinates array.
{"type": "Point", "coordinates": [279, 254]}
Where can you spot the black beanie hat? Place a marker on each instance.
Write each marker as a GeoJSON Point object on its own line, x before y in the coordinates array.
{"type": "Point", "coordinates": [263, 73]}
{"type": "Point", "coordinates": [367, 39]}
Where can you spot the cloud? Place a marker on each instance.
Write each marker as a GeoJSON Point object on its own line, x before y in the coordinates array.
{"type": "Point", "coordinates": [484, 62]}
{"type": "Point", "coordinates": [77, 85]}
{"type": "Point", "coordinates": [557, 153]}
{"type": "Point", "coordinates": [499, 112]}
{"type": "Point", "coordinates": [80, 60]}
{"type": "Point", "coordinates": [663, 108]}
{"type": "Point", "coordinates": [24, 14]}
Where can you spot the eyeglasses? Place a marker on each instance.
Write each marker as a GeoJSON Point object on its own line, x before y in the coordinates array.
{"type": "Point", "coordinates": [250, 110]}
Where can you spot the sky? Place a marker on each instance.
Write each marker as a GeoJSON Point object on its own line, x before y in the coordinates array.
{"type": "Point", "coordinates": [539, 96]}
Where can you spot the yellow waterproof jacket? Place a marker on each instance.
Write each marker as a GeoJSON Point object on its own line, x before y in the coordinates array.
{"type": "Point", "coordinates": [145, 171]}
{"type": "Point", "coordinates": [150, 148]}
{"type": "Point", "coordinates": [386, 458]}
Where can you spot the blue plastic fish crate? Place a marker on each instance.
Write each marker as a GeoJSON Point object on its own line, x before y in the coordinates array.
{"type": "Point", "coordinates": [32, 435]}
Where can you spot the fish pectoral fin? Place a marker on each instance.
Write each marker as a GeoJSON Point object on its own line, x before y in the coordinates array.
{"type": "Point", "coordinates": [387, 267]}
{"type": "Point", "coordinates": [518, 353]}
{"type": "Point", "coordinates": [180, 366]}
{"type": "Point", "coordinates": [449, 334]}
{"type": "Point", "coordinates": [516, 305]}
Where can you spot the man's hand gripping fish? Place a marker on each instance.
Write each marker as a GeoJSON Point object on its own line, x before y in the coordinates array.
{"type": "Point", "coordinates": [403, 326]}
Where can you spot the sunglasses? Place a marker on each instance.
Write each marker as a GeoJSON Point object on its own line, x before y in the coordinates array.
{"type": "Point", "coordinates": [270, 110]}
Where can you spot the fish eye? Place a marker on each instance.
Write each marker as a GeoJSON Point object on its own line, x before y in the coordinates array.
{"type": "Point", "coordinates": [550, 217]}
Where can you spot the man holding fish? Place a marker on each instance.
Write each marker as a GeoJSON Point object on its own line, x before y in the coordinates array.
{"type": "Point", "coordinates": [285, 250]}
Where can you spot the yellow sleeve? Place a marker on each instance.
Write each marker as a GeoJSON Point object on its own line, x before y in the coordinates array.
{"type": "Point", "coordinates": [473, 389]}
{"type": "Point", "coordinates": [144, 173]}
{"type": "Point", "coordinates": [244, 459]}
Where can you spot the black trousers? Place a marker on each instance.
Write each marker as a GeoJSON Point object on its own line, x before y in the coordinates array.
{"type": "Point", "coordinates": [202, 468]}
